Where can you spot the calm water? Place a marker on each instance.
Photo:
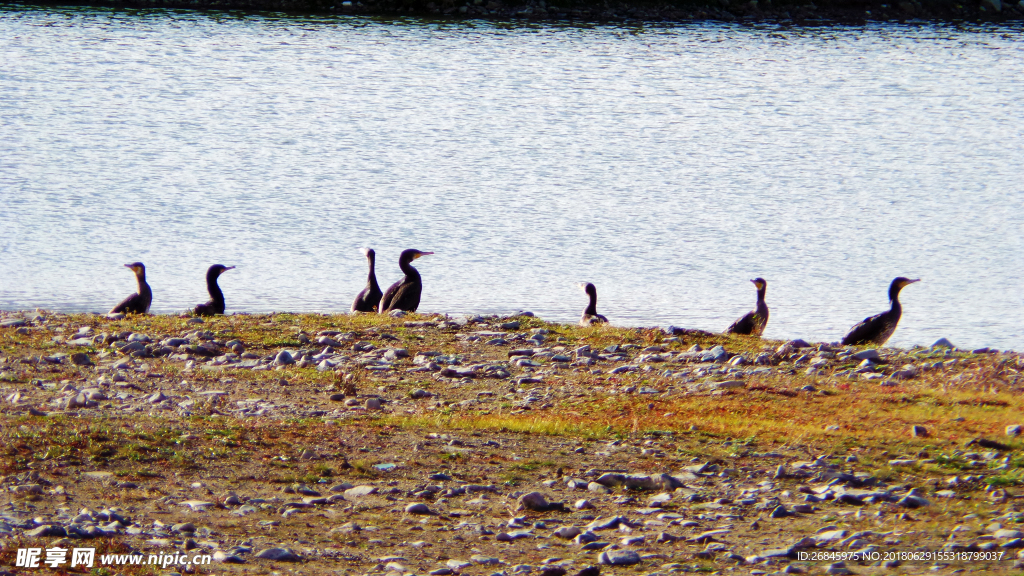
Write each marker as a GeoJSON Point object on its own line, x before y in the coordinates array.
{"type": "Point", "coordinates": [666, 165]}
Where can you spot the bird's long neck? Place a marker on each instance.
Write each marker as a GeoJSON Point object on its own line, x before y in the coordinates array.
{"type": "Point", "coordinates": [592, 307]}
{"type": "Point", "coordinates": [371, 278]}
{"type": "Point", "coordinates": [143, 285]}
{"type": "Point", "coordinates": [894, 300]}
{"type": "Point", "coordinates": [406, 267]}
{"type": "Point", "coordinates": [214, 289]}
{"type": "Point", "coordinates": [761, 305]}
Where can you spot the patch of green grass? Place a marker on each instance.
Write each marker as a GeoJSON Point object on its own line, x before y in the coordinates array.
{"type": "Point", "coordinates": [135, 453]}
{"type": "Point", "coordinates": [365, 468]}
{"type": "Point", "coordinates": [322, 470]}
{"type": "Point", "coordinates": [214, 453]}
{"type": "Point", "coordinates": [1008, 478]}
{"type": "Point", "coordinates": [950, 462]}
{"type": "Point", "coordinates": [511, 479]}
{"type": "Point", "coordinates": [56, 453]}
{"type": "Point", "coordinates": [184, 460]}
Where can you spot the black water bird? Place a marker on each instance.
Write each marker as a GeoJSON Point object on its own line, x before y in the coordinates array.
{"type": "Point", "coordinates": [590, 315]}
{"type": "Point", "coordinates": [877, 329]}
{"type": "Point", "coordinates": [753, 322]}
{"type": "Point", "coordinates": [139, 302]}
{"type": "Point", "coordinates": [404, 294]}
{"type": "Point", "coordinates": [216, 303]}
{"type": "Point", "coordinates": [369, 299]}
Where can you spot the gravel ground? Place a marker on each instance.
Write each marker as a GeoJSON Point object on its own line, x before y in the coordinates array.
{"type": "Point", "coordinates": [501, 445]}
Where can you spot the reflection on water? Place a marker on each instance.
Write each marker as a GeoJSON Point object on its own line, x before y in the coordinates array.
{"type": "Point", "coordinates": [667, 165]}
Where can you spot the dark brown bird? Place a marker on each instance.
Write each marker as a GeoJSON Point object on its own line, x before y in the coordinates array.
{"type": "Point", "coordinates": [878, 328]}
{"type": "Point", "coordinates": [216, 303]}
{"type": "Point", "coordinates": [139, 302]}
{"type": "Point", "coordinates": [753, 322]}
{"type": "Point", "coordinates": [369, 299]}
{"type": "Point", "coordinates": [404, 294]}
{"type": "Point", "coordinates": [590, 316]}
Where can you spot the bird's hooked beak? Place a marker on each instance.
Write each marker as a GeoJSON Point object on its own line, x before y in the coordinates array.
{"type": "Point", "coordinates": [909, 282]}
{"type": "Point", "coordinates": [418, 254]}
{"type": "Point", "coordinates": [226, 268]}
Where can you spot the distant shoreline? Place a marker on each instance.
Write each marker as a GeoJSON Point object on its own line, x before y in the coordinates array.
{"type": "Point", "coordinates": [835, 12]}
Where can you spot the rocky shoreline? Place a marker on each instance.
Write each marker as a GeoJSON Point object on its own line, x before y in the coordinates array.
{"type": "Point", "coordinates": [502, 445]}
{"type": "Point", "coordinates": [845, 12]}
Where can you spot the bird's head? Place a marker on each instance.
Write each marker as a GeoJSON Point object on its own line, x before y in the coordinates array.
{"type": "Point", "coordinates": [760, 283]}
{"type": "Point", "coordinates": [137, 267]}
{"type": "Point", "coordinates": [218, 269]}
{"type": "Point", "coordinates": [412, 254]}
{"type": "Point", "coordinates": [898, 284]}
{"type": "Point", "coordinates": [368, 252]}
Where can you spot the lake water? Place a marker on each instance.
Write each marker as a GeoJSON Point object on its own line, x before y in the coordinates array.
{"type": "Point", "coordinates": [667, 165]}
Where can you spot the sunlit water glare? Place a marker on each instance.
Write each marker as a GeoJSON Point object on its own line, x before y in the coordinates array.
{"type": "Point", "coordinates": [667, 165]}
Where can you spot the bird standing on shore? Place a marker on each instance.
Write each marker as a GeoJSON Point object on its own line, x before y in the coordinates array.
{"type": "Point", "coordinates": [369, 299]}
{"type": "Point", "coordinates": [216, 303]}
{"type": "Point", "coordinates": [139, 302]}
{"type": "Point", "coordinates": [590, 316]}
{"type": "Point", "coordinates": [877, 329]}
{"type": "Point", "coordinates": [404, 294]}
{"type": "Point", "coordinates": [753, 322]}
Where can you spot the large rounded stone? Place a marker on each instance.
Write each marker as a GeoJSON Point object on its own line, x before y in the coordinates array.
{"type": "Point", "coordinates": [278, 554]}
{"type": "Point", "coordinates": [533, 501]}
{"type": "Point", "coordinates": [619, 558]}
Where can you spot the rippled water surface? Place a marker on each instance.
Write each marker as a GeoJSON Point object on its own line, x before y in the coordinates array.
{"type": "Point", "coordinates": [666, 165]}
